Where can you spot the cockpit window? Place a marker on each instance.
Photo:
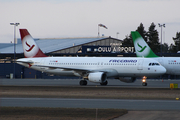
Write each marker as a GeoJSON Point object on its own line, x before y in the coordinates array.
{"type": "Point", "coordinates": [157, 63]}
{"type": "Point", "coordinates": [153, 64]}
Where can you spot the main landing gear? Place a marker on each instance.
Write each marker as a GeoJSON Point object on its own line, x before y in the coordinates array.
{"type": "Point", "coordinates": [104, 83]}
{"type": "Point", "coordinates": [83, 82]}
{"type": "Point", "coordinates": [144, 83]}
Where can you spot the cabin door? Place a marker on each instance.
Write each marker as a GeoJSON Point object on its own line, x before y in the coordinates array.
{"type": "Point", "coordinates": [43, 68]}
{"type": "Point", "coordinates": [140, 64]}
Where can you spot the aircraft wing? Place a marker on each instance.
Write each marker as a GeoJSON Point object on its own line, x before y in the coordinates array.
{"type": "Point", "coordinates": [75, 69]}
{"type": "Point", "coordinates": [28, 62]}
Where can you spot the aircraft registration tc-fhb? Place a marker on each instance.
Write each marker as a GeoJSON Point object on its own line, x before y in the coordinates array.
{"type": "Point", "coordinates": [94, 69]}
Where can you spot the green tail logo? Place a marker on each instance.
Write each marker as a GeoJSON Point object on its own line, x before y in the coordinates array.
{"type": "Point", "coordinates": [142, 48]}
{"type": "Point", "coordinates": [145, 50]}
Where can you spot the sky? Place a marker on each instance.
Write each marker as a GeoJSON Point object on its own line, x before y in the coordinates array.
{"type": "Point", "coordinates": [80, 18]}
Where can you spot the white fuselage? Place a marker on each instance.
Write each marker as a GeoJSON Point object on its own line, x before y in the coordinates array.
{"type": "Point", "coordinates": [112, 66]}
{"type": "Point", "coordinates": [172, 64]}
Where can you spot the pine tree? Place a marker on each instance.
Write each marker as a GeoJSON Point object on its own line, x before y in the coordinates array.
{"type": "Point", "coordinates": [177, 42]}
{"type": "Point", "coordinates": [128, 42]}
{"type": "Point", "coordinates": [142, 32]}
{"type": "Point", "coordinates": [165, 48]}
{"type": "Point", "coordinates": [153, 39]}
{"type": "Point", "coordinates": [172, 48]}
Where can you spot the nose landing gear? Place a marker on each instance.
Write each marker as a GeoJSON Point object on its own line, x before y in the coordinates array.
{"type": "Point", "coordinates": [144, 83]}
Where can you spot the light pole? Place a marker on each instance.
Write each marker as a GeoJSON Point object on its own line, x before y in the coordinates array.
{"type": "Point", "coordinates": [161, 25]}
{"type": "Point", "coordinates": [117, 35]}
{"type": "Point", "coordinates": [15, 24]}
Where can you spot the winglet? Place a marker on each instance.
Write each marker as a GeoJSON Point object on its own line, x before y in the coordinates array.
{"type": "Point", "coordinates": [141, 47]}
{"type": "Point", "coordinates": [30, 47]}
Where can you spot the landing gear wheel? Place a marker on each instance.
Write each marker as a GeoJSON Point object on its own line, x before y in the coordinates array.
{"type": "Point", "coordinates": [83, 82]}
{"type": "Point", "coordinates": [104, 83]}
{"type": "Point", "coordinates": [144, 84]}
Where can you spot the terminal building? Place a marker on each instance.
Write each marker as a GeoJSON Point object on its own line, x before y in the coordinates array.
{"type": "Point", "coordinates": [89, 46]}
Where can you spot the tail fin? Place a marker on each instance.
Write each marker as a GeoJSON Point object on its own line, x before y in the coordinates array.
{"type": "Point", "coordinates": [30, 47]}
{"type": "Point", "coordinates": [141, 47]}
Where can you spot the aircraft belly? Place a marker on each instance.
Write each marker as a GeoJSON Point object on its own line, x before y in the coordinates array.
{"type": "Point", "coordinates": [126, 71]}
{"type": "Point", "coordinates": [112, 73]}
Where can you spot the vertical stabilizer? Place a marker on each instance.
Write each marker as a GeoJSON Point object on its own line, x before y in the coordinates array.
{"type": "Point", "coordinates": [30, 47]}
{"type": "Point", "coordinates": [141, 47]}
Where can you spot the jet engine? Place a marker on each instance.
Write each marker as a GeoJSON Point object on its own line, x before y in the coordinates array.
{"type": "Point", "coordinates": [127, 79]}
{"type": "Point", "coordinates": [98, 77]}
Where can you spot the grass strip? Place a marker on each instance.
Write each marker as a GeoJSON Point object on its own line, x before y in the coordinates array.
{"type": "Point", "coordinates": [88, 92]}
{"type": "Point", "coordinates": [29, 113]}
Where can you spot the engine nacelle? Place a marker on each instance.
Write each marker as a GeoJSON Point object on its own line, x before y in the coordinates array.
{"type": "Point", "coordinates": [127, 79]}
{"type": "Point", "coordinates": [98, 77]}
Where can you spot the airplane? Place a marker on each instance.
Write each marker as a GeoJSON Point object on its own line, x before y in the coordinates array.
{"type": "Point", "coordinates": [172, 64]}
{"type": "Point", "coordinates": [94, 69]}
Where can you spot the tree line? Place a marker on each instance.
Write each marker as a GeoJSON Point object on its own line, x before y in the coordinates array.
{"type": "Point", "coordinates": [152, 38]}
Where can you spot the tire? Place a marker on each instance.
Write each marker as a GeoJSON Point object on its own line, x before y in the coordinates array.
{"type": "Point", "coordinates": [83, 82]}
{"type": "Point", "coordinates": [104, 83]}
{"type": "Point", "coordinates": [144, 84]}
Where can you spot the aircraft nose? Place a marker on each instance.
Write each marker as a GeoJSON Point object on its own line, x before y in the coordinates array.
{"type": "Point", "coordinates": [162, 70]}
